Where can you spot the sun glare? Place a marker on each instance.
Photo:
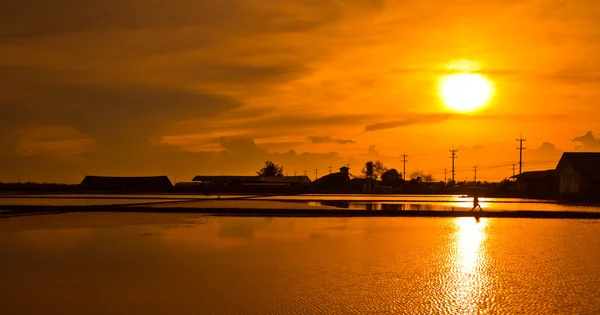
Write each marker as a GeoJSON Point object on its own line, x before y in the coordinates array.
{"type": "Point", "coordinates": [465, 92]}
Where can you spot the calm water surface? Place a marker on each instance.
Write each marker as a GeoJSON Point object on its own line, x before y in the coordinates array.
{"type": "Point", "coordinates": [357, 202]}
{"type": "Point", "coordinates": [118, 263]}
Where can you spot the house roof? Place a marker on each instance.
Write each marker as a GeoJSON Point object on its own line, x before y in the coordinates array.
{"type": "Point", "coordinates": [585, 163]}
{"type": "Point", "coordinates": [142, 182]}
{"type": "Point", "coordinates": [285, 179]}
{"type": "Point", "coordinates": [226, 178]}
{"type": "Point", "coordinates": [533, 175]}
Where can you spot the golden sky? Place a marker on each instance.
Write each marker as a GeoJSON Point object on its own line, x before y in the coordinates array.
{"type": "Point", "coordinates": [186, 87]}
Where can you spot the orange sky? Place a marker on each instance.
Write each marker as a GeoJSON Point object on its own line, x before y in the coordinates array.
{"type": "Point", "coordinates": [188, 87]}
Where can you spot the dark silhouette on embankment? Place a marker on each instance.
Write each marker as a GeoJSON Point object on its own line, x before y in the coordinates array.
{"type": "Point", "coordinates": [7, 211]}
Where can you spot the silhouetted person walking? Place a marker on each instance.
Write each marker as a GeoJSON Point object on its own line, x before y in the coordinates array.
{"type": "Point", "coordinates": [476, 200]}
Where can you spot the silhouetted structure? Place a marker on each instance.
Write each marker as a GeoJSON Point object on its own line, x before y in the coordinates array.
{"type": "Point", "coordinates": [226, 180]}
{"type": "Point", "coordinates": [334, 182]}
{"type": "Point", "coordinates": [126, 184]}
{"type": "Point", "coordinates": [579, 174]}
{"type": "Point", "coordinates": [538, 184]}
{"type": "Point", "coordinates": [295, 180]}
{"type": "Point", "coordinates": [253, 184]}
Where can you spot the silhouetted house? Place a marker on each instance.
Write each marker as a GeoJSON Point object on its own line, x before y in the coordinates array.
{"type": "Point", "coordinates": [291, 180]}
{"type": "Point", "coordinates": [540, 184]}
{"type": "Point", "coordinates": [126, 184]}
{"type": "Point", "coordinates": [334, 182]}
{"type": "Point", "coordinates": [253, 184]}
{"type": "Point", "coordinates": [279, 184]}
{"type": "Point", "coordinates": [579, 173]}
{"type": "Point", "coordinates": [226, 180]}
{"type": "Point", "coordinates": [219, 184]}
{"type": "Point", "coordinates": [345, 170]}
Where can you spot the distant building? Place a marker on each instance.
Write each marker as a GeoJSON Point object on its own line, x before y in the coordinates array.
{"type": "Point", "coordinates": [126, 184]}
{"type": "Point", "coordinates": [334, 182]}
{"type": "Point", "coordinates": [540, 184]}
{"type": "Point", "coordinates": [253, 184]}
{"type": "Point", "coordinates": [345, 170]}
{"type": "Point", "coordinates": [292, 180]}
{"type": "Point", "coordinates": [226, 180]}
{"type": "Point", "coordinates": [579, 173]}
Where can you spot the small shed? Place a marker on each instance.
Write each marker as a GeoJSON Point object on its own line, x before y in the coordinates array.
{"type": "Point", "coordinates": [540, 184]}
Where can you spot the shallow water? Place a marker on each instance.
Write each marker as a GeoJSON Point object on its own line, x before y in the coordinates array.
{"type": "Point", "coordinates": [117, 263]}
{"type": "Point", "coordinates": [356, 202]}
{"type": "Point", "coordinates": [495, 205]}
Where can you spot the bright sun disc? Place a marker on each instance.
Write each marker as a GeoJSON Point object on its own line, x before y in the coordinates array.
{"type": "Point", "coordinates": [465, 91]}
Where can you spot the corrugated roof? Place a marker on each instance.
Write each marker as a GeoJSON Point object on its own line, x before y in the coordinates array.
{"type": "Point", "coordinates": [585, 163]}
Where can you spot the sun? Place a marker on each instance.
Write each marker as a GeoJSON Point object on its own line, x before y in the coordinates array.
{"type": "Point", "coordinates": [465, 92]}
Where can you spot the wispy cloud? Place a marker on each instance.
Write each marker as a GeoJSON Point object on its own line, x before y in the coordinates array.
{"type": "Point", "coordinates": [328, 139]}
{"type": "Point", "coordinates": [414, 120]}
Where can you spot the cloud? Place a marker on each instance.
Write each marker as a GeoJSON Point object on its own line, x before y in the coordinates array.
{"type": "Point", "coordinates": [417, 119]}
{"type": "Point", "coordinates": [328, 139]}
{"type": "Point", "coordinates": [234, 16]}
{"type": "Point", "coordinates": [588, 142]}
{"type": "Point", "coordinates": [53, 140]}
{"type": "Point", "coordinates": [544, 156]}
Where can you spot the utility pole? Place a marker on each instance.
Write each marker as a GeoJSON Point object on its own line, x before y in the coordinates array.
{"type": "Point", "coordinates": [453, 157]}
{"type": "Point", "coordinates": [475, 174]}
{"type": "Point", "coordinates": [513, 168]}
{"type": "Point", "coordinates": [404, 160]}
{"type": "Point", "coordinates": [521, 148]}
{"type": "Point", "coordinates": [329, 169]}
{"type": "Point", "coordinates": [304, 172]}
{"type": "Point", "coordinates": [445, 170]}
{"type": "Point", "coordinates": [295, 173]}
{"type": "Point", "coordinates": [316, 174]}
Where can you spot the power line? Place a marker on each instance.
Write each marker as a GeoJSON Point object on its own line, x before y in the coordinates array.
{"type": "Point", "coordinates": [404, 160]}
{"type": "Point", "coordinates": [521, 148]}
{"type": "Point", "coordinates": [453, 157]}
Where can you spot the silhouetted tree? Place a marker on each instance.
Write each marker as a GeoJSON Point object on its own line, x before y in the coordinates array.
{"type": "Point", "coordinates": [428, 178]}
{"type": "Point", "coordinates": [391, 177]}
{"type": "Point", "coordinates": [270, 169]}
{"type": "Point", "coordinates": [378, 169]}
{"type": "Point", "coordinates": [416, 175]}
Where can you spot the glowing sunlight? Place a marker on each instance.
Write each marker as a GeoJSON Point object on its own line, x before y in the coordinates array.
{"type": "Point", "coordinates": [468, 275]}
{"type": "Point", "coordinates": [465, 92]}
{"type": "Point", "coordinates": [469, 237]}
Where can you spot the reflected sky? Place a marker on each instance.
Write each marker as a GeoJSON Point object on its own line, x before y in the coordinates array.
{"type": "Point", "coordinates": [161, 263]}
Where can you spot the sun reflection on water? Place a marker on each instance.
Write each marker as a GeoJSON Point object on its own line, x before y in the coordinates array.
{"type": "Point", "coordinates": [468, 276]}
{"type": "Point", "coordinates": [469, 237]}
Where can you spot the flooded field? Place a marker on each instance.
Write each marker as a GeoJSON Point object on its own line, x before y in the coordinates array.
{"type": "Point", "coordinates": [139, 263]}
{"type": "Point", "coordinates": [350, 202]}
